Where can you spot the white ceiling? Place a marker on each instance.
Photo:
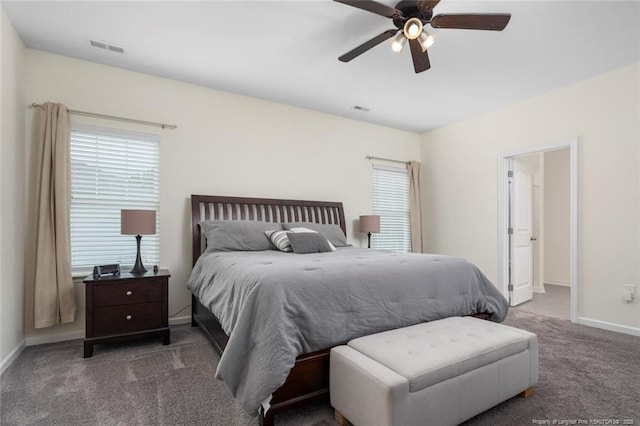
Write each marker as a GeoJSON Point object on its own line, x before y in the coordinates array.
{"type": "Point", "coordinates": [287, 51]}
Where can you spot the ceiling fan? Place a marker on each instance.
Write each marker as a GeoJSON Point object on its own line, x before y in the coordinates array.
{"type": "Point", "coordinates": [410, 17]}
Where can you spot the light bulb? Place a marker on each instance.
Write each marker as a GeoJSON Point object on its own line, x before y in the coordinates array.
{"type": "Point", "coordinates": [398, 43]}
{"type": "Point", "coordinates": [426, 40]}
{"type": "Point", "coordinates": [412, 28]}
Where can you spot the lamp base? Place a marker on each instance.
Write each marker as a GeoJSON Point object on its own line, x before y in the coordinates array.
{"type": "Point", "coordinates": [138, 268]}
{"type": "Point", "coordinates": [369, 239]}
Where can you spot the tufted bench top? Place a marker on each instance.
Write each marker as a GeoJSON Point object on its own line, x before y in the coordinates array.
{"type": "Point", "coordinates": [433, 352]}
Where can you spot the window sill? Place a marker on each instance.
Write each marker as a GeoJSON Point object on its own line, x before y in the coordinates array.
{"type": "Point", "coordinates": [80, 273]}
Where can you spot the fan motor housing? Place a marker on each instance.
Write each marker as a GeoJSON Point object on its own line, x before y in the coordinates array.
{"type": "Point", "coordinates": [410, 10]}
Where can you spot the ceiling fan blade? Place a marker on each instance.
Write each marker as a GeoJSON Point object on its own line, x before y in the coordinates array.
{"type": "Point", "coordinates": [420, 58]}
{"type": "Point", "coordinates": [373, 7]}
{"type": "Point", "coordinates": [367, 45]}
{"type": "Point", "coordinates": [427, 5]}
{"type": "Point", "coordinates": [493, 22]}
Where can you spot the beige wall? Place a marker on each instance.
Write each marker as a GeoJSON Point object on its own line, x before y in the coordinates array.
{"type": "Point", "coordinates": [12, 190]}
{"type": "Point", "coordinates": [460, 184]}
{"type": "Point", "coordinates": [225, 144]}
{"type": "Point", "coordinates": [230, 144]}
{"type": "Point", "coordinates": [557, 252]}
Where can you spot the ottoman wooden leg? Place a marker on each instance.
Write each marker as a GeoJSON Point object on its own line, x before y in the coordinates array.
{"type": "Point", "coordinates": [526, 393]}
{"type": "Point", "coordinates": [342, 420]}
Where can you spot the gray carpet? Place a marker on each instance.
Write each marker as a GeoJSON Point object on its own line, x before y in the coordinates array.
{"type": "Point", "coordinates": [556, 302]}
{"type": "Point", "coordinates": [585, 374]}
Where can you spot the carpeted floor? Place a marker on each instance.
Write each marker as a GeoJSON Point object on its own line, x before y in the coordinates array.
{"type": "Point", "coordinates": [586, 374]}
{"type": "Point", "coordinates": [556, 302]}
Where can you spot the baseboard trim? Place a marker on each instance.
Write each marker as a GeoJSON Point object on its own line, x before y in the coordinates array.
{"type": "Point", "coordinates": [12, 356]}
{"type": "Point", "coordinates": [63, 337]}
{"type": "Point", "coordinates": [180, 320]}
{"type": "Point", "coordinates": [634, 331]}
{"type": "Point", "coordinates": [562, 283]}
{"type": "Point", "coordinates": [55, 338]}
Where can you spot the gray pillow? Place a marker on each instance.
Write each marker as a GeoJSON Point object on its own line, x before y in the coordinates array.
{"type": "Point", "coordinates": [302, 230]}
{"type": "Point", "coordinates": [238, 235]}
{"type": "Point", "coordinates": [333, 232]}
{"type": "Point", "coordinates": [308, 242]}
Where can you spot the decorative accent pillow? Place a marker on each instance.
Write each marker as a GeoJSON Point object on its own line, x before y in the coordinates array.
{"type": "Point", "coordinates": [308, 242]}
{"type": "Point", "coordinates": [237, 235]}
{"type": "Point", "coordinates": [301, 230]}
{"type": "Point", "coordinates": [280, 239]}
{"type": "Point", "coordinates": [333, 232]}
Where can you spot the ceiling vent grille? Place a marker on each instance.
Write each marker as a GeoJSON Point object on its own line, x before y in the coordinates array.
{"type": "Point", "coordinates": [106, 46]}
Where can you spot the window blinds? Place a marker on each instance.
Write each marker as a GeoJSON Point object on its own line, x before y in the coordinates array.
{"type": "Point", "coordinates": [112, 170]}
{"type": "Point", "coordinates": [391, 203]}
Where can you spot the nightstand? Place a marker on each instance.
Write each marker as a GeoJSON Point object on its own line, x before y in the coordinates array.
{"type": "Point", "coordinates": [126, 307]}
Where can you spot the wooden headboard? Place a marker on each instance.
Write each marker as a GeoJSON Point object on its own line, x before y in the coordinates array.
{"type": "Point", "coordinates": [212, 207]}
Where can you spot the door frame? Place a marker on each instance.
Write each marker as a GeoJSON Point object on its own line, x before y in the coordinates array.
{"type": "Point", "coordinates": [503, 215]}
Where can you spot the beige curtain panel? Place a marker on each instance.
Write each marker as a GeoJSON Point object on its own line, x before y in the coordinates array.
{"type": "Point", "coordinates": [53, 293]}
{"type": "Point", "coordinates": [415, 209]}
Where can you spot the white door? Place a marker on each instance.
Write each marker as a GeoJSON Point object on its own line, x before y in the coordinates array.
{"type": "Point", "coordinates": [521, 228]}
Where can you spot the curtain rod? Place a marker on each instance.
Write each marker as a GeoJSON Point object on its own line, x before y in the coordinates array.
{"type": "Point", "coordinates": [369, 157]}
{"type": "Point", "coordinates": [112, 117]}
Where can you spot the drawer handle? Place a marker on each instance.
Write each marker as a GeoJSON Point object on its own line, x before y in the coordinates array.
{"type": "Point", "coordinates": [128, 317]}
{"type": "Point", "coordinates": [129, 293]}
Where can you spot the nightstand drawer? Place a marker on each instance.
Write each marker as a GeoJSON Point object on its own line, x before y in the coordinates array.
{"type": "Point", "coordinates": [108, 320]}
{"type": "Point", "coordinates": [126, 293]}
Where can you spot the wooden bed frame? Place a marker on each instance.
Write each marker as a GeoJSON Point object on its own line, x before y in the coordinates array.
{"type": "Point", "coordinates": [309, 378]}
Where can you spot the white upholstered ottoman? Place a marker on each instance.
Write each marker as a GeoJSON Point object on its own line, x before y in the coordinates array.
{"type": "Point", "coordinates": [437, 373]}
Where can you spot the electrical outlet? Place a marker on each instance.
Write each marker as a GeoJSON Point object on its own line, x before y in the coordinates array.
{"type": "Point", "coordinates": [629, 293]}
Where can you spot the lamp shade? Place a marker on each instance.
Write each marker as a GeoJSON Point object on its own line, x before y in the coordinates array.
{"type": "Point", "coordinates": [370, 223]}
{"type": "Point", "coordinates": [137, 222]}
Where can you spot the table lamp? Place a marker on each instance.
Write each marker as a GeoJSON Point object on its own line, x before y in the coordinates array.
{"type": "Point", "coordinates": [369, 224]}
{"type": "Point", "coordinates": [138, 223]}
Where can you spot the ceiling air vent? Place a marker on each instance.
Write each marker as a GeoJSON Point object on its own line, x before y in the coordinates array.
{"type": "Point", "coordinates": [117, 49]}
{"type": "Point", "coordinates": [106, 46]}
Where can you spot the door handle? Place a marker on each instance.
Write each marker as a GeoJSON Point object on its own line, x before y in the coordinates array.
{"type": "Point", "coordinates": [533, 239]}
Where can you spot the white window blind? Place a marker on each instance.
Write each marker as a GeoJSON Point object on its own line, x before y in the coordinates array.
{"type": "Point", "coordinates": [112, 170]}
{"type": "Point", "coordinates": [391, 203]}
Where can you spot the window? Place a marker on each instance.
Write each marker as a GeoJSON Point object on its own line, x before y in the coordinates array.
{"type": "Point", "coordinates": [391, 203]}
{"type": "Point", "coordinates": [112, 170]}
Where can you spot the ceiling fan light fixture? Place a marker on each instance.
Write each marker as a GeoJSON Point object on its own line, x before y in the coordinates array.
{"type": "Point", "coordinates": [412, 28]}
{"type": "Point", "coordinates": [398, 43]}
{"type": "Point", "coordinates": [426, 40]}
{"type": "Point", "coordinates": [410, 18]}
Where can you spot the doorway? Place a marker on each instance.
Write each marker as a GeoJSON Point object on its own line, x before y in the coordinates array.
{"type": "Point", "coordinates": [539, 273]}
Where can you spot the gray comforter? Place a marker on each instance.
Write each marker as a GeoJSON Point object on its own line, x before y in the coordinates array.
{"type": "Point", "coordinates": [276, 306]}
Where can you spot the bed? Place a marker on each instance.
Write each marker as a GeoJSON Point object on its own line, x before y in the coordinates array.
{"type": "Point", "coordinates": [280, 341]}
